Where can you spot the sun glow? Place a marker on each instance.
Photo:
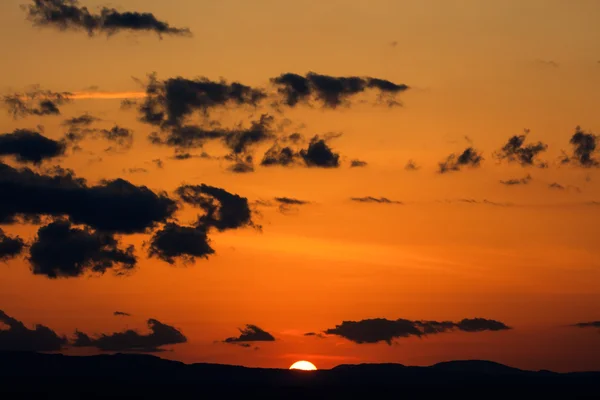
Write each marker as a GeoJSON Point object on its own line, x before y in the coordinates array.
{"type": "Point", "coordinates": [304, 366]}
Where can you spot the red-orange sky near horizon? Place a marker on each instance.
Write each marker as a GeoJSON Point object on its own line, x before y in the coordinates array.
{"type": "Point", "coordinates": [374, 252]}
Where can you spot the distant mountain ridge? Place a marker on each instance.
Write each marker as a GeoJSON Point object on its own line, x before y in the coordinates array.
{"type": "Point", "coordinates": [135, 374]}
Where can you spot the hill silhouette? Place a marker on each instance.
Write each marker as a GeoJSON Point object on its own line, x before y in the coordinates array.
{"type": "Point", "coordinates": [146, 376]}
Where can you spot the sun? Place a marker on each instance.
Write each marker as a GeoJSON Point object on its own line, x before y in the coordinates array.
{"type": "Point", "coordinates": [304, 366]}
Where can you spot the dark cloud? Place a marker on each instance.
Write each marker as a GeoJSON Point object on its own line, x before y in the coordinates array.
{"type": "Point", "coordinates": [35, 102]}
{"type": "Point", "coordinates": [517, 181]}
{"type": "Point", "coordinates": [470, 157]}
{"type": "Point", "coordinates": [183, 155]}
{"type": "Point", "coordinates": [384, 330]}
{"type": "Point", "coordinates": [30, 146]}
{"type": "Point", "coordinates": [123, 137]}
{"type": "Point", "coordinates": [69, 15]}
{"type": "Point", "coordinates": [315, 334]}
{"type": "Point", "coordinates": [319, 154]}
{"type": "Point", "coordinates": [20, 338]}
{"type": "Point", "coordinates": [592, 324]}
{"type": "Point", "coordinates": [63, 251]}
{"type": "Point", "coordinates": [121, 314]}
{"type": "Point", "coordinates": [238, 140]}
{"type": "Point", "coordinates": [132, 341]}
{"type": "Point", "coordinates": [515, 150]}
{"type": "Point", "coordinates": [84, 120]}
{"type": "Point", "coordinates": [277, 155]}
{"type": "Point", "coordinates": [251, 333]}
{"type": "Point", "coordinates": [10, 246]}
{"type": "Point", "coordinates": [288, 204]}
{"type": "Point", "coordinates": [242, 165]}
{"type": "Point", "coordinates": [331, 91]}
{"type": "Point", "coordinates": [158, 162]}
{"type": "Point", "coordinates": [115, 206]}
{"type": "Point", "coordinates": [584, 149]}
{"type": "Point", "coordinates": [174, 242]}
{"type": "Point", "coordinates": [168, 103]}
{"type": "Point", "coordinates": [290, 201]}
{"type": "Point", "coordinates": [556, 186]}
{"type": "Point", "coordinates": [378, 200]}
{"type": "Point", "coordinates": [80, 130]}
{"type": "Point", "coordinates": [358, 163]}
{"type": "Point", "coordinates": [223, 210]}
{"type": "Point", "coordinates": [411, 166]}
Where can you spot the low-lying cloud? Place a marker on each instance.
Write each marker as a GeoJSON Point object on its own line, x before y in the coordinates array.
{"type": "Point", "coordinates": [385, 330]}
{"type": "Point", "coordinates": [20, 338]}
{"type": "Point", "coordinates": [132, 341]}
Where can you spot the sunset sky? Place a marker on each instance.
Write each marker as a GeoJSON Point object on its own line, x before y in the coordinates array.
{"type": "Point", "coordinates": [371, 218]}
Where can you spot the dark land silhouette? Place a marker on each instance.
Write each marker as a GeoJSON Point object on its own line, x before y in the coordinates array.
{"type": "Point", "coordinates": [146, 376]}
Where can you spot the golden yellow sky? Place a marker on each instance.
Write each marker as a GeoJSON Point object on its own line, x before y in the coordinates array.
{"type": "Point", "coordinates": [485, 70]}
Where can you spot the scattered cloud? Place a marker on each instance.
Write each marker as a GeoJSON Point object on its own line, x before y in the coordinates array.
{"type": "Point", "coordinates": [454, 162]}
{"type": "Point", "coordinates": [591, 324]}
{"type": "Point", "coordinates": [223, 210]}
{"type": "Point", "coordinates": [121, 314]}
{"type": "Point", "coordinates": [35, 102]}
{"type": "Point", "coordinates": [159, 163]}
{"type": "Point", "coordinates": [169, 103]}
{"type": "Point", "coordinates": [315, 334]}
{"type": "Point", "coordinates": [358, 163]}
{"type": "Point", "coordinates": [79, 129]}
{"type": "Point", "coordinates": [289, 204]}
{"type": "Point", "coordinates": [10, 246]}
{"type": "Point", "coordinates": [184, 155]}
{"type": "Point", "coordinates": [82, 121]}
{"type": "Point", "coordinates": [290, 201]}
{"type": "Point", "coordinates": [63, 251]}
{"type": "Point", "coordinates": [558, 186]}
{"type": "Point", "coordinates": [69, 15]}
{"type": "Point", "coordinates": [584, 149]}
{"type": "Point", "coordinates": [136, 170]}
{"type": "Point", "coordinates": [132, 341]}
{"type": "Point", "coordinates": [547, 63]}
{"type": "Point", "coordinates": [20, 338]}
{"type": "Point", "coordinates": [251, 333]}
{"type": "Point", "coordinates": [30, 146]}
{"type": "Point", "coordinates": [186, 243]}
{"type": "Point", "coordinates": [332, 91]}
{"type": "Point", "coordinates": [515, 150]}
{"type": "Point", "coordinates": [238, 140]}
{"type": "Point", "coordinates": [482, 202]}
{"type": "Point", "coordinates": [377, 200]}
{"type": "Point", "coordinates": [319, 154]}
{"type": "Point", "coordinates": [242, 165]}
{"type": "Point", "coordinates": [411, 166]}
{"type": "Point", "coordinates": [384, 330]}
{"type": "Point", "coordinates": [110, 206]}
{"type": "Point", "coordinates": [517, 181]}
{"type": "Point", "coordinates": [277, 155]}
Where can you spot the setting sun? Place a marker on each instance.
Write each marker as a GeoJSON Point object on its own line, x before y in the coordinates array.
{"type": "Point", "coordinates": [304, 366]}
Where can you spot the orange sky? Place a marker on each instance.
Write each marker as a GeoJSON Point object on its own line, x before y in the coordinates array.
{"type": "Point", "coordinates": [526, 255]}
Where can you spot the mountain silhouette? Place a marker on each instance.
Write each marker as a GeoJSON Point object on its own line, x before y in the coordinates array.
{"type": "Point", "coordinates": [146, 376]}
